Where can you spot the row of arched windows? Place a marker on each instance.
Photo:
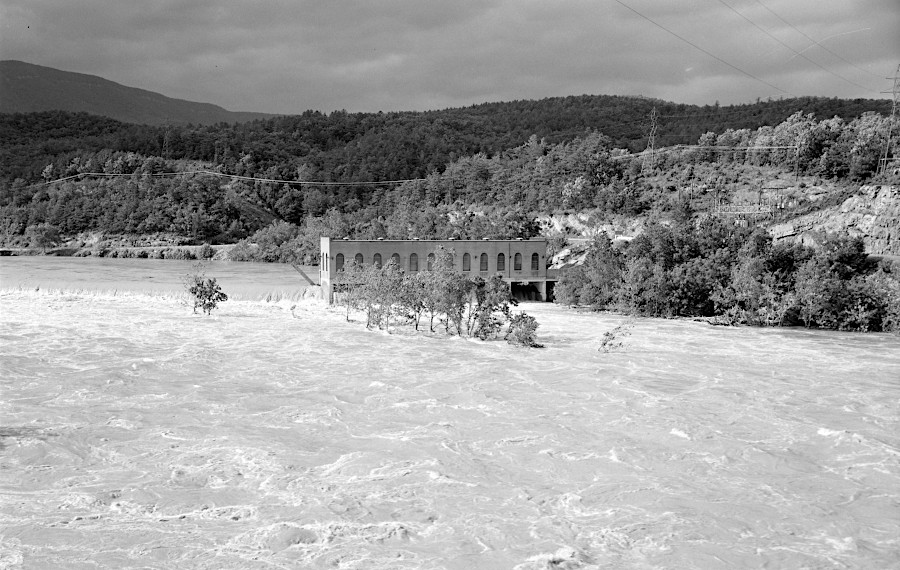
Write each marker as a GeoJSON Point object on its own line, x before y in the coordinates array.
{"type": "Point", "coordinates": [466, 261]}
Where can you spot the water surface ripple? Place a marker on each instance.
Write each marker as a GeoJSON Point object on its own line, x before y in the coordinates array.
{"type": "Point", "coordinates": [134, 434]}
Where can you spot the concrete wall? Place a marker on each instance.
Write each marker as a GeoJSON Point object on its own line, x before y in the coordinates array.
{"type": "Point", "coordinates": [331, 249]}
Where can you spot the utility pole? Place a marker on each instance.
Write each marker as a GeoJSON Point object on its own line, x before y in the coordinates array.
{"type": "Point", "coordinates": [887, 144]}
{"type": "Point", "coordinates": [649, 154]}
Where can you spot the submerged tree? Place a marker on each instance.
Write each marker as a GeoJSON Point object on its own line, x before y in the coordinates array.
{"type": "Point", "coordinates": [472, 307]}
{"type": "Point", "coordinates": [42, 236]}
{"type": "Point", "coordinates": [206, 292]}
{"type": "Point", "coordinates": [492, 301]}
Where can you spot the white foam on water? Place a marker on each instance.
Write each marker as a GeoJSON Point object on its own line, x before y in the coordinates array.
{"type": "Point", "coordinates": [134, 433]}
{"type": "Point", "coordinates": [679, 433]}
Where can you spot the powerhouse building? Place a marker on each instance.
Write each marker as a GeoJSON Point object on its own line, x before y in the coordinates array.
{"type": "Point", "coordinates": [522, 263]}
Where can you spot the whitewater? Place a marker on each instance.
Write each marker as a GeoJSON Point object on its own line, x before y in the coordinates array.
{"type": "Point", "coordinates": [274, 434]}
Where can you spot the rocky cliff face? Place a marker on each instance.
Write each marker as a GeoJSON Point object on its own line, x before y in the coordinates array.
{"type": "Point", "coordinates": [873, 214]}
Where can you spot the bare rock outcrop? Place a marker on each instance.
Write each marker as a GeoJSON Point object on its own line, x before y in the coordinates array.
{"type": "Point", "coordinates": [873, 214]}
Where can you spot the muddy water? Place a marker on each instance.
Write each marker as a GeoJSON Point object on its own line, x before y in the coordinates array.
{"type": "Point", "coordinates": [238, 280]}
{"type": "Point", "coordinates": [134, 434]}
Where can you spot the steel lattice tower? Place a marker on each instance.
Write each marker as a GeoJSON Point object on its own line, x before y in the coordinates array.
{"type": "Point", "coordinates": [887, 143]}
{"type": "Point", "coordinates": [650, 153]}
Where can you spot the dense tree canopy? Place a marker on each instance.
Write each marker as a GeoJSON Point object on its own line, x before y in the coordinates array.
{"type": "Point", "coordinates": [711, 269]}
{"type": "Point", "coordinates": [482, 171]}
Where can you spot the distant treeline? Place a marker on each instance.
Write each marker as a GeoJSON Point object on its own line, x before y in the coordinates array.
{"type": "Point", "coordinates": [351, 147]}
{"type": "Point", "coordinates": [708, 268]}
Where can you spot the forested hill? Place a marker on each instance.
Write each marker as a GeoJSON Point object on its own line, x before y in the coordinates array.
{"type": "Point", "coordinates": [25, 87]}
{"type": "Point", "coordinates": [626, 120]}
{"type": "Point", "coordinates": [344, 146]}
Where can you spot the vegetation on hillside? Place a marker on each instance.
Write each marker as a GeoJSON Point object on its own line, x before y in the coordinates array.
{"type": "Point", "coordinates": [353, 147]}
{"type": "Point", "coordinates": [481, 195]}
{"type": "Point", "coordinates": [706, 268]}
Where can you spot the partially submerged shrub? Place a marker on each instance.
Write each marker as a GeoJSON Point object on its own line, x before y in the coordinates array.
{"type": "Point", "coordinates": [43, 236]}
{"type": "Point", "coordinates": [522, 331]}
{"type": "Point", "coordinates": [179, 253]}
{"type": "Point", "coordinates": [205, 252]}
{"type": "Point", "coordinates": [615, 339]}
{"type": "Point", "coordinates": [277, 242]}
{"type": "Point", "coordinates": [242, 251]}
{"type": "Point", "coordinates": [474, 307]}
{"type": "Point", "coordinates": [206, 292]}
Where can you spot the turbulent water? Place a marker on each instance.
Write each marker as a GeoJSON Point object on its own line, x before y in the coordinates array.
{"type": "Point", "coordinates": [136, 434]}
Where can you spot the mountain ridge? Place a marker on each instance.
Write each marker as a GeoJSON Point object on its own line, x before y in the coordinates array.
{"type": "Point", "coordinates": [28, 88]}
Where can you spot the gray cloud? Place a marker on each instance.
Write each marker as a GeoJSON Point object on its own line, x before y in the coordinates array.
{"type": "Point", "coordinates": [288, 56]}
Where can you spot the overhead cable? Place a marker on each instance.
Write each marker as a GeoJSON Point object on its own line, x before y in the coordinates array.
{"type": "Point", "coordinates": [710, 54]}
{"type": "Point", "coordinates": [225, 175]}
{"type": "Point", "coordinates": [817, 43]}
{"type": "Point", "coordinates": [797, 53]}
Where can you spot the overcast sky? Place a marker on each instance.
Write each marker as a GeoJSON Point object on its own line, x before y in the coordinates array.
{"type": "Point", "coordinates": [287, 56]}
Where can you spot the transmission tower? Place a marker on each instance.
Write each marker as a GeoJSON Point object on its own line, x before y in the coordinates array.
{"type": "Point", "coordinates": [650, 153]}
{"type": "Point", "coordinates": [887, 144]}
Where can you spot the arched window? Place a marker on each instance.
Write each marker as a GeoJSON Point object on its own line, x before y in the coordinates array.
{"type": "Point", "coordinates": [376, 260]}
{"type": "Point", "coordinates": [430, 261]}
{"type": "Point", "coordinates": [517, 262]}
{"type": "Point", "coordinates": [395, 259]}
{"type": "Point", "coordinates": [339, 262]}
{"type": "Point", "coordinates": [413, 262]}
{"type": "Point", "coordinates": [535, 262]}
{"type": "Point", "coordinates": [483, 265]}
{"type": "Point", "coordinates": [501, 262]}
{"type": "Point", "coordinates": [467, 262]}
{"type": "Point", "coordinates": [359, 258]}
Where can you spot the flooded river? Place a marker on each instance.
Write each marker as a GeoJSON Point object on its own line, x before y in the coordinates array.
{"type": "Point", "coordinates": [136, 434]}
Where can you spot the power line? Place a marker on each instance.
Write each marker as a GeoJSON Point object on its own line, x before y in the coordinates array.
{"type": "Point", "coordinates": [763, 30]}
{"type": "Point", "coordinates": [710, 54]}
{"type": "Point", "coordinates": [702, 147]}
{"type": "Point", "coordinates": [308, 182]}
{"type": "Point", "coordinates": [816, 42]}
{"type": "Point", "coordinates": [225, 175]}
{"type": "Point", "coordinates": [807, 48]}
